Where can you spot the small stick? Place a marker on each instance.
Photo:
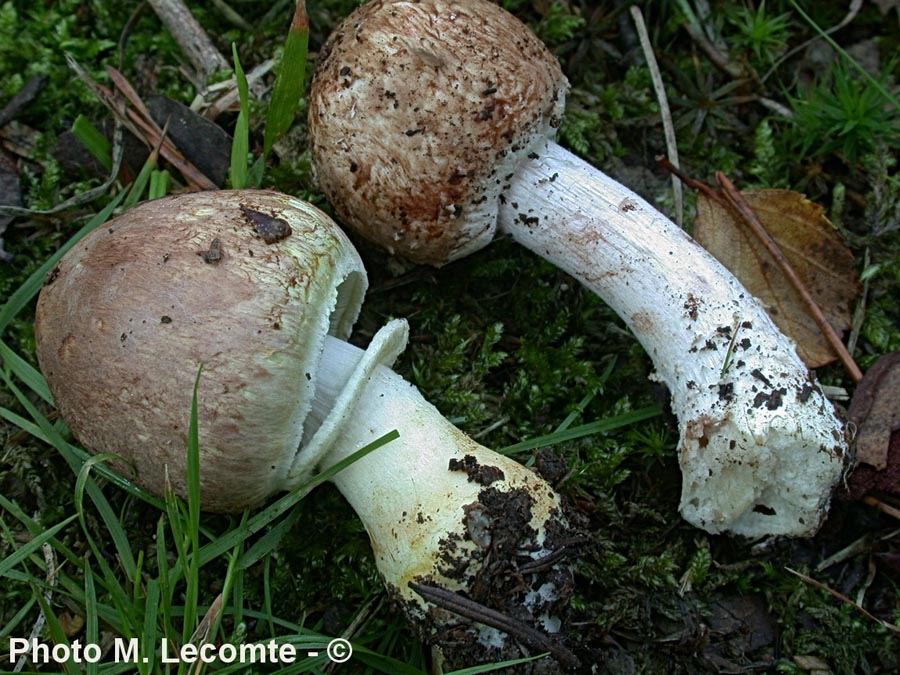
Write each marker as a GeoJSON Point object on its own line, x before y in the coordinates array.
{"type": "Point", "coordinates": [230, 97]}
{"type": "Point", "coordinates": [475, 611]}
{"type": "Point", "coordinates": [140, 123]}
{"type": "Point", "coordinates": [668, 127]}
{"type": "Point", "coordinates": [844, 598]}
{"type": "Point", "coordinates": [736, 200]}
{"type": "Point", "coordinates": [190, 36]}
{"type": "Point", "coordinates": [881, 506]}
{"type": "Point", "coordinates": [540, 564]}
{"type": "Point", "coordinates": [82, 197]}
{"type": "Point", "coordinates": [687, 180]}
{"type": "Point", "coordinates": [720, 60]}
{"type": "Point", "coordinates": [52, 580]}
{"type": "Point", "coordinates": [22, 98]}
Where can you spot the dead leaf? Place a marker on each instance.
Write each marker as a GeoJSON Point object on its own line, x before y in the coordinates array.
{"type": "Point", "coordinates": [813, 247]}
{"type": "Point", "coordinates": [71, 624]}
{"type": "Point", "coordinates": [876, 413]}
{"type": "Point", "coordinates": [204, 144]}
{"type": "Point", "coordinates": [875, 410]}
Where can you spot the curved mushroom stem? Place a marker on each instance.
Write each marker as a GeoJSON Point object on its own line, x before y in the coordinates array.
{"type": "Point", "coordinates": [760, 445]}
{"type": "Point", "coordinates": [440, 509]}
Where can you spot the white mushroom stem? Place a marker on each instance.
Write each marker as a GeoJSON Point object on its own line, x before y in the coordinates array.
{"type": "Point", "coordinates": [760, 446]}
{"type": "Point", "coordinates": [423, 115]}
{"type": "Point", "coordinates": [433, 501]}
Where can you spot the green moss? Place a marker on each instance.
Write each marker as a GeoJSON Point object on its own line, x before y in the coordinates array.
{"type": "Point", "coordinates": [507, 346]}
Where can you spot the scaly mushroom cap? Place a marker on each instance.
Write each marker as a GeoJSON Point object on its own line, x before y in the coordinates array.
{"type": "Point", "coordinates": [132, 311]}
{"type": "Point", "coordinates": [419, 116]}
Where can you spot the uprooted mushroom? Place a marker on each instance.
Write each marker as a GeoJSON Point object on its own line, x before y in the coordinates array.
{"type": "Point", "coordinates": [431, 127]}
{"type": "Point", "coordinates": [261, 289]}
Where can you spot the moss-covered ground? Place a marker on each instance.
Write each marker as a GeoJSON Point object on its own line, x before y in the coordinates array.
{"type": "Point", "coordinates": [502, 343]}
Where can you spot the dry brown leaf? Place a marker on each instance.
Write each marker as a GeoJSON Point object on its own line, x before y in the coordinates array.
{"type": "Point", "coordinates": [813, 247]}
{"type": "Point", "coordinates": [875, 411]}
{"type": "Point", "coordinates": [71, 624]}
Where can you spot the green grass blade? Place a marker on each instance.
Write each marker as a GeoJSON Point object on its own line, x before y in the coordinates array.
{"type": "Point", "coordinates": [114, 528]}
{"type": "Point", "coordinates": [10, 561]}
{"type": "Point", "coordinates": [28, 374]}
{"type": "Point", "coordinates": [879, 86]}
{"type": "Point", "coordinates": [589, 429]}
{"type": "Point", "coordinates": [176, 518]}
{"type": "Point", "coordinates": [82, 455]}
{"type": "Point", "coordinates": [193, 525]}
{"type": "Point", "coordinates": [159, 184]}
{"type": "Point", "coordinates": [96, 495]}
{"type": "Point", "coordinates": [29, 427]}
{"type": "Point", "coordinates": [149, 641]}
{"type": "Point", "coordinates": [228, 541]}
{"type": "Point", "coordinates": [240, 145]}
{"type": "Point", "coordinates": [290, 83]}
{"type": "Point", "coordinates": [162, 568]}
{"type": "Point", "coordinates": [236, 587]}
{"type": "Point", "coordinates": [17, 619]}
{"type": "Point", "coordinates": [271, 539]}
{"type": "Point", "coordinates": [57, 634]}
{"type": "Point", "coordinates": [267, 594]}
{"type": "Point", "coordinates": [92, 139]}
{"type": "Point", "coordinates": [584, 402]}
{"type": "Point", "coordinates": [139, 186]}
{"type": "Point", "coordinates": [91, 616]}
{"type": "Point", "coordinates": [81, 481]}
{"type": "Point", "coordinates": [233, 586]}
{"type": "Point", "coordinates": [32, 286]}
{"type": "Point", "coordinates": [34, 528]}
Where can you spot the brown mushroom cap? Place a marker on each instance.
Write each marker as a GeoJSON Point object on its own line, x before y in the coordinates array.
{"type": "Point", "coordinates": [216, 278]}
{"type": "Point", "coordinates": [419, 114]}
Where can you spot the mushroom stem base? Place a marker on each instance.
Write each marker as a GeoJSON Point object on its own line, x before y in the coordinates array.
{"type": "Point", "coordinates": [443, 511]}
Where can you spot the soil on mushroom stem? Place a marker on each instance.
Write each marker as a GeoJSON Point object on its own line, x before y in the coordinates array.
{"type": "Point", "coordinates": [508, 578]}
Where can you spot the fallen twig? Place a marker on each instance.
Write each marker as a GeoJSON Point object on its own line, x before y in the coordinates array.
{"type": "Point", "coordinates": [22, 98]}
{"type": "Point", "coordinates": [840, 596]}
{"type": "Point", "coordinates": [82, 197]}
{"type": "Point", "coordinates": [881, 506]}
{"type": "Point", "coordinates": [140, 123]}
{"type": "Point", "coordinates": [205, 58]}
{"type": "Point", "coordinates": [153, 135]}
{"type": "Point", "coordinates": [230, 97]}
{"type": "Point", "coordinates": [664, 111]}
{"type": "Point", "coordinates": [468, 608]}
{"type": "Point", "coordinates": [737, 201]}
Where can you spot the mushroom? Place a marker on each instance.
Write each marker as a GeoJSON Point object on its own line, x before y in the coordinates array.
{"type": "Point", "coordinates": [262, 288]}
{"type": "Point", "coordinates": [431, 127]}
